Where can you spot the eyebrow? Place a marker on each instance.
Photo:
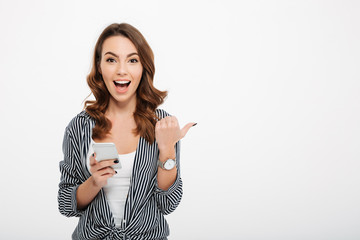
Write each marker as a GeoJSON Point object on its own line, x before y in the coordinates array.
{"type": "Point", "coordinates": [129, 55]}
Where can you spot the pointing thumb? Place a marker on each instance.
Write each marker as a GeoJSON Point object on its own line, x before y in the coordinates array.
{"type": "Point", "coordinates": [186, 128]}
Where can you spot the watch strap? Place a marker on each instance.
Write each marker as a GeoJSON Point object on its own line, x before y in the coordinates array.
{"type": "Point", "coordinates": [161, 164]}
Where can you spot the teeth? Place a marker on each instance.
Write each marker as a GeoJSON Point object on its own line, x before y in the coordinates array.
{"type": "Point", "coordinates": [122, 82]}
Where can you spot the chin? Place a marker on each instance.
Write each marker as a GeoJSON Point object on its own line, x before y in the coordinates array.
{"type": "Point", "coordinates": [123, 99]}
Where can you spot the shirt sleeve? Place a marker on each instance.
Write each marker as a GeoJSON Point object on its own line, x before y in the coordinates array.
{"type": "Point", "coordinates": [69, 182]}
{"type": "Point", "coordinates": [168, 200]}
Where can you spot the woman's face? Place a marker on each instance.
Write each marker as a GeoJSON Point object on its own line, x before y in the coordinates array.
{"type": "Point", "coordinates": [121, 68]}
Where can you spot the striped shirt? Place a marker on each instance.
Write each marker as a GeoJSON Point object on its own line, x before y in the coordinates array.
{"type": "Point", "coordinates": [146, 203]}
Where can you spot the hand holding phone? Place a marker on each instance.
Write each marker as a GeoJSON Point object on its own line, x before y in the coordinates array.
{"type": "Point", "coordinates": [106, 151]}
{"type": "Point", "coordinates": [102, 170]}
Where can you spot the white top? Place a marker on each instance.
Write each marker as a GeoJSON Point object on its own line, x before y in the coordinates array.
{"type": "Point", "coordinates": [117, 187]}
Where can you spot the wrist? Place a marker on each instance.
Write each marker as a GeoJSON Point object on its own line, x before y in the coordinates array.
{"type": "Point", "coordinates": [93, 183]}
{"type": "Point", "coordinates": [166, 153]}
{"type": "Point", "coordinates": [166, 147]}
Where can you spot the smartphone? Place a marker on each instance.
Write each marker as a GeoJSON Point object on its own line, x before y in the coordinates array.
{"type": "Point", "coordinates": [106, 151]}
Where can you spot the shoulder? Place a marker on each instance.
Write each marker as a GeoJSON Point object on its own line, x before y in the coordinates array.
{"type": "Point", "coordinates": [160, 113]}
{"type": "Point", "coordinates": [79, 122]}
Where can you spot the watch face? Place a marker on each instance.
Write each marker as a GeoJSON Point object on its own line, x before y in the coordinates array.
{"type": "Point", "coordinates": [169, 164]}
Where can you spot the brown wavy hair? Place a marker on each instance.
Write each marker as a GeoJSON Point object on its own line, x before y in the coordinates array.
{"type": "Point", "coordinates": [148, 98]}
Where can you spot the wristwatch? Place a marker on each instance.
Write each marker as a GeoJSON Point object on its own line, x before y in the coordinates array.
{"type": "Point", "coordinates": [168, 164]}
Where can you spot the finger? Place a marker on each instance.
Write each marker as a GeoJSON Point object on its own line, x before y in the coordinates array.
{"type": "Point", "coordinates": [92, 159]}
{"type": "Point", "coordinates": [103, 164]}
{"type": "Point", "coordinates": [166, 121]}
{"type": "Point", "coordinates": [158, 125]}
{"type": "Point", "coordinates": [106, 171]}
{"type": "Point", "coordinates": [186, 128]}
{"type": "Point", "coordinates": [174, 121]}
{"type": "Point", "coordinates": [107, 163]}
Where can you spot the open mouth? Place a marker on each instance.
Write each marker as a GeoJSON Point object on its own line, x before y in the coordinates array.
{"type": "Point", "coordinates": [122, 85]}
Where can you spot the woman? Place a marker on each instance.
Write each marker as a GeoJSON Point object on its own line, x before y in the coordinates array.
{"type": "Point", "coordinates": [126, 203]}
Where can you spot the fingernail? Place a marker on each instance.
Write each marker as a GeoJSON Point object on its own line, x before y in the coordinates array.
{"type": "Point", "coordinates": [115, 172]}
{"type": "Point", "coordinates": [93, 155]}
{"type": "Point", "coordinates": [116, 161]}
{"type": "Point", "coordinates": [194, 124]}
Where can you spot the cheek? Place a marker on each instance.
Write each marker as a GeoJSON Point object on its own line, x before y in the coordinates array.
{"type": "Point", "coordinates": [140, 72]}
{"type": "Point", "coordinates": [107, 73]}
{"type": "Point", "coordinates": [137, 73]}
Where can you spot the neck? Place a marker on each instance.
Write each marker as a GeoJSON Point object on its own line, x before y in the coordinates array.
{"type": "Point", "coordinates": [121, 109]}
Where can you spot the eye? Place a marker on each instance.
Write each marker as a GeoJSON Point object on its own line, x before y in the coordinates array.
{"type": "Point", "coordinates": [133, 60]}
{"type": "Point", "coordinates": [111, 60]}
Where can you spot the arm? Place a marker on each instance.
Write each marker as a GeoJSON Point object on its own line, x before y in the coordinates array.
{"type": "Point", "coordinates": [169, 197]}
{"type": "Point", "coordinates": [100, 171]}
{"type": "Point", "coordinates": [70, 180]}
{"type": "Point", "coordinates": [86, 192]}
{"type": "Point", "coordinates": [166, 177]}
{"type": "Point", "coordinates": [168, 191]}
{"type": "Point", "coordinates": [75, 191]}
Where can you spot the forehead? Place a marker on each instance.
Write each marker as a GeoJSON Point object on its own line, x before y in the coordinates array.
{"type": "Point", "coordinates": [119, 45]}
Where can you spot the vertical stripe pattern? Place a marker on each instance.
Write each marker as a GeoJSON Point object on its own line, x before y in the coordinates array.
{"type": "Point", "coordinates": [146, 203]}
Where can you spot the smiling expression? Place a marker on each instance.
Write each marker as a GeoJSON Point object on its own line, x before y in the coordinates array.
{"type": "Point", "coordinates": [121, 68]}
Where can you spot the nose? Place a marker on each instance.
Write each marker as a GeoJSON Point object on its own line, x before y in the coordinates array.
{"type": "Point", "coordinates": [122, 69]}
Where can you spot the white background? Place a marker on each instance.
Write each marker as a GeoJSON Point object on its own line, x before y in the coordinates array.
{"type": "Point", "coordinates": [273, 85]}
